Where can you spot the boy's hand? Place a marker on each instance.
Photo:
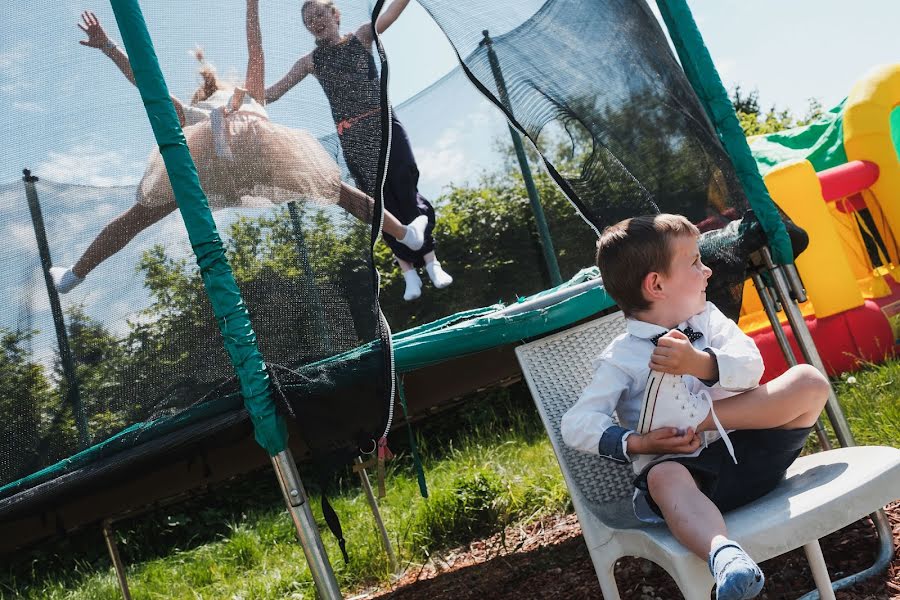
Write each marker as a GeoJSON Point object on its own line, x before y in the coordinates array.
{"type": "Point", "coordinates": [674, 354]}
{"type": "Point", "coordinates": [663, 441]}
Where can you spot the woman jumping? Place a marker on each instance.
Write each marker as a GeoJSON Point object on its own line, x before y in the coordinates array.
{"type": "Point", "coordinates": [345, 68]}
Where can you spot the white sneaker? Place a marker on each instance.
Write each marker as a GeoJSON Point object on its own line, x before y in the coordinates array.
{"type": "Point", "coordinates": [64, 279]}
{"type": "Point", "coordinates": [669, 403]}
{"type": "Point", "coordinates": [413, 285]}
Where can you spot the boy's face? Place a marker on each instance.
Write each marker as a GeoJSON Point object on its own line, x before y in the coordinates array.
{"type": "Point", "coordinates": [685, 283]}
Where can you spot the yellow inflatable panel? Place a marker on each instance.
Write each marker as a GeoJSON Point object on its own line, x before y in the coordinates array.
{"type": "Point", "coordinates": [827, 274]}
{"type": "Point", "coordinates": [867, 136]}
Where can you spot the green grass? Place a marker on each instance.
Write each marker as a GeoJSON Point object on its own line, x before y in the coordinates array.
{"type": "Point", "coordinates": [488, 465]}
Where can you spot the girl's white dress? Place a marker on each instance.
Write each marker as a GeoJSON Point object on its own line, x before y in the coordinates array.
{"type": "Point", "coordinates": [245, 160]}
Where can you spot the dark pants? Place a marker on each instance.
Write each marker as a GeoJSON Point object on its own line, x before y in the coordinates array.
{"type": "Point", "coordinates": [401, 194]}
{"type": "Point", "coordinates": [763, 457]}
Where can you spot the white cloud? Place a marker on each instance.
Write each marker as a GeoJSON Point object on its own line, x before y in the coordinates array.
{"type": "Point", "coordinates": [30, 107]}
{"type": "Point", "coordinates": [445, 160]}
{"type": "Point", "coordinates": [88, 165]}
{"type": "Point", "coordinates": [12, 65]}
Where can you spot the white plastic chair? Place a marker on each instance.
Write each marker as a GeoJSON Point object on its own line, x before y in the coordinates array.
{"type": "Point", "coordinates": [822, 492]}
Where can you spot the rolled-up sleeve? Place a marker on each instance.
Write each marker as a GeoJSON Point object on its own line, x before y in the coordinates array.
{"type": "Point", "coordinates": [739, 361]}
{"type": "Point", "coordinates": [588, 426]}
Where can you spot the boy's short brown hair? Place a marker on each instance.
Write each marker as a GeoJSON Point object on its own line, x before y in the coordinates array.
{"type": "Point", "coordinates": [630, 249]}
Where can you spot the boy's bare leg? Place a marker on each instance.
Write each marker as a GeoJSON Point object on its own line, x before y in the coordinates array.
{"type": "Point", "coordinates": [697, 523]}
{"type": "Point", "coordinates": [790, 401]}
{"type": "Point", "coordinates": [692, 517]}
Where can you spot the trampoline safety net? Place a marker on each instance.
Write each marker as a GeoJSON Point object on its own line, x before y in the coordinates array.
{"type": "Point", "coordinates": [291, 155]}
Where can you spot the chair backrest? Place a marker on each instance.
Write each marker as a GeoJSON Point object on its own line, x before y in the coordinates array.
{"type": "Point", "coordinates": [557, 368]}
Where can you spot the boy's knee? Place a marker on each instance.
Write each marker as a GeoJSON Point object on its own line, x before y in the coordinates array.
{"type": "Point", "coordinates": [808, 380]}
{"type": "Point", "coordinates": [665, 476]}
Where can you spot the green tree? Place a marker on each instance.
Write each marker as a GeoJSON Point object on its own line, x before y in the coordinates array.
{"type": "Point", "coordinates": [755, 121]}
{"type": "Point", "coordinates": [24, 389]}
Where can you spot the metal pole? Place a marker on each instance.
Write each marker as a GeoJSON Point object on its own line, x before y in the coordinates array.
{"type": "Point", "coordinates": [808, 348]}
{"type": "Point", "coordinates": [838, 422]}
{"type": "Point", "coordinates": [307, 532]}
{"type": "Point", "coordinates": [113, 548]}
{"type": "Point", "coordinates": [62, 337]}
{"type": "Point", "coordinates": [533, 196]}
{"type": "Point", "coordinates": [373, 504]}
{"type": "Point", "coordinates": [308, 276]}
{"type": "Point", "coordinates": [781, 337]}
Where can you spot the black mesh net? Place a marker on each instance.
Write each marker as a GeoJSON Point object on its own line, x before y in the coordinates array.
{"type": "Point", "coordinates": [593, 84]}
{"type": "Point", "coordinates": [144, 344]}
{"type": "Point", "coordinates": [601, 75]}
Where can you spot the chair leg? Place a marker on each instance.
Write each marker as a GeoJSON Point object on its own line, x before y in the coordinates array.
{"type": "Point", "coordinates": [607, 576]}
{"type": "Point", "coordinates": [819, 571]}
{"type": "Point", "coordinates": [693, 579]}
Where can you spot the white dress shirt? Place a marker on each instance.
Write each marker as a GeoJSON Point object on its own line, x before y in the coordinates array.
{"type": "Point", "coordinates": [622, 369]}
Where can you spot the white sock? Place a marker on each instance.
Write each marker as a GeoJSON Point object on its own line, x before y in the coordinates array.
{"type": "Point", "coordinates": [415, 233]}
{"type": "Point", "coordinates": [64, 279]}
{"type": "Point", "coordinates": [413, 285]}
{"type": "Point", "coordinates": [439, 277]}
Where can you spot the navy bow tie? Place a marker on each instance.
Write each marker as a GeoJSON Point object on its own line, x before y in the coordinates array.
{"type": "Point", "coordinates": [692, 335]}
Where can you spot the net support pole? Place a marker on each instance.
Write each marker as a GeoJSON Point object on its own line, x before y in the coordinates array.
{"type": "Point", "coordinates": [62, 337]}
{"type": "Point", "coordinates": [270, 430]}
{"type": "Point", "coordinates": [781, 337]}
{"type": "Point", "coordinates": [116, 558]}
{"type": "Point", "coordinates": [835, 416]}
{"type": "Point", "coordinates": [308, 276]}
{"type": "Point", "coordinates": [533, 196]}
{"type": "Point", "coordinates": [376, 513]}
{"type": "Point", "coordinates": [701, 73]}
{"type": "Point", "coordinates": [298, 507]}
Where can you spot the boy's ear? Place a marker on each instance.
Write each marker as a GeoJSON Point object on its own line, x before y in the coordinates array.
{"type": "Point", "coordinates": [651, 287]}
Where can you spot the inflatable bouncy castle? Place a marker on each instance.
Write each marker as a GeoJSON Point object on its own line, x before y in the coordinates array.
{"type": "Point", "coordinates": [839, 179]}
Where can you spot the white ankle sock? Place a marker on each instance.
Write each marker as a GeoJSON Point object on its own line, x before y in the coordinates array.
{"type": "Point", "coordinates": [64, 279]}
{"type": "Point", "coordinates": [413, 285]}
{"type": "Point", "coordinates": [414, 238]}
{"type": "Point", "coordinates": [439, 277]}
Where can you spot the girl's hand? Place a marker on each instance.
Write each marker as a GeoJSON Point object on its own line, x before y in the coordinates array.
{"type": "Point", "coordinates": [97, 37]}
{"type": "Point", "coordinates": [663, 441]}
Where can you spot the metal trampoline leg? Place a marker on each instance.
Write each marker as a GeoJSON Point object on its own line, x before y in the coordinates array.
{"type": "Point", "coordinates": [819, 571]}
{"type": "Point", "coordinates": [310, 540]}
{"type": "Point", "coordinates": [113, 548]}
{"type": "Point", "coordinates": [379, 522]}
{"type": "Point", "coordinates": [781, 337]}
{"type": "Point", "coordinates": [835, 416]}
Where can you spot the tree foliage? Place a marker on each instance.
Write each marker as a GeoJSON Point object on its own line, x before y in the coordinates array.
{"type": "Point", "coordinates": [755, 121]}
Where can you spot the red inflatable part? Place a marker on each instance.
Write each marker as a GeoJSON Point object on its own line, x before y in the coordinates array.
{"type": "Point", "coordinates": [846, 179]}
{"type": "Point", "coordinates": [843, 341]}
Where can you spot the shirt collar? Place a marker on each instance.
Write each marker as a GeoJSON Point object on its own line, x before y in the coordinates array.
{"type": "Point", "coordinates": [645, 330]}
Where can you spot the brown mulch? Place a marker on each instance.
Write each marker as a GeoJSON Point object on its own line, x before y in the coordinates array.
{"type": "Point", "coordinates": [548, 559]}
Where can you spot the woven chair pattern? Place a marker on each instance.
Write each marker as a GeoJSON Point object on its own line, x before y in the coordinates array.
{"type": "Point", "coordinates": [560, 368]}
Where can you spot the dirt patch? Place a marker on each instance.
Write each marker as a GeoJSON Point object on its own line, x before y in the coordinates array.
{"type": "Point", "coordinates": [549, 559]}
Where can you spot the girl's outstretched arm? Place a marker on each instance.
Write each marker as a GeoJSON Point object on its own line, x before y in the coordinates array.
{"type": "Point", "coordinates": [97, 38]}
{"type": "Point", "coordinates": [256, 66]}
{"type": "Point", "coordinates": [390, 14]}
{"type": "Point", "coordinates": [385, 20]}
{"type": "Point", "coordinates": [298, 72]}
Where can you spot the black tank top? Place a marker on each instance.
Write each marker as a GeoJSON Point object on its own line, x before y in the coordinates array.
{"type": "Point", "coordinates": [347, 74]}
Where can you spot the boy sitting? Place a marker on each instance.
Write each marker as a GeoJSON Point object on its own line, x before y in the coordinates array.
{"type": "Point", "coordinates": [692, 472]}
